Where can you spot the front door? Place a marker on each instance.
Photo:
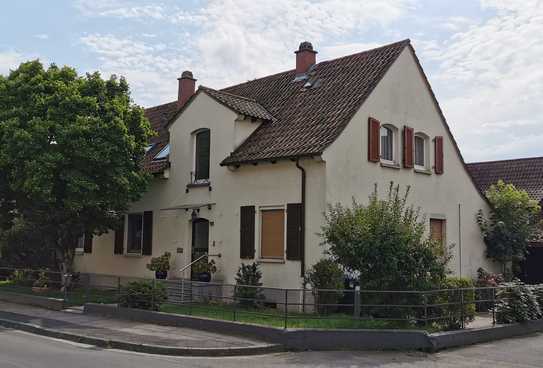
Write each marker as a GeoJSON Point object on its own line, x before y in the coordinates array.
{"type": "Point", "coordinates": [200, 238]}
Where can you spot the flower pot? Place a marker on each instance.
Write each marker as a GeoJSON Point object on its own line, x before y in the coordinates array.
{"type": "Point", "coordinates": [203, 276]}
{"type": "Point", "coordinates": [40, 290]}
{"type": "Point", "coordinates": [161, 275]}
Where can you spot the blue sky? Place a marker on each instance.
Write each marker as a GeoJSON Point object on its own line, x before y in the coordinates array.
{"type": "Point", "coordinates": [484, 58]}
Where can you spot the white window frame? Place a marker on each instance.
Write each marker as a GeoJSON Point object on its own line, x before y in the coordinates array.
{"type": "Point", "coordinates": [268, 208]}
{"type": "Point", "coordinates": [394, 132]}
{"type": "Point", "coordinates": [127, 250]}
{"type": "Point", "coordinates": [193, 135]}
{"type": "Point", "coordinates": [426, 140]}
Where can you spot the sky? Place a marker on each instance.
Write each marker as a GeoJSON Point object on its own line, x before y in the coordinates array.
{"type": "Point", "coordinates": [484, 58]}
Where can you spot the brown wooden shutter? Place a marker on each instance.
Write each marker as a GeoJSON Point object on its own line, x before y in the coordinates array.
{"type": "Point", "coordinates": [119, 240]}
{"type": "Point", "coordinates": [408, 136]}
{"type": "Point", "coordinates": [247, 232]}
{"type": "Point", "coordinates": [147, 248]}
{"type": "Point", "coordinates": [438, 155]}
{"type": "Point", "coordinates": [373, 139]}
{"type": "Point", "coordinates": [294, 231]}
{"type": "Point", "coordinates": [87, 245]}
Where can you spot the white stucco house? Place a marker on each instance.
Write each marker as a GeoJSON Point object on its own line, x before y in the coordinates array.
{"type": "Point", "coordinates": [246, 172]}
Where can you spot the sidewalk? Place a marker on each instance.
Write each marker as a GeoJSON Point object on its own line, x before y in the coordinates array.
{"type": "Point", "coordinates": [130, 335]}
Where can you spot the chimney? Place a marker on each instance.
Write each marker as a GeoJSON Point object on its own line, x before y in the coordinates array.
{"type": "Point", "coordinates": [305, 57]}
{"type": "Point", "coordinates": [187, 85]}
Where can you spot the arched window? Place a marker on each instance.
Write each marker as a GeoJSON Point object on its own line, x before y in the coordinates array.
{"type": "Point", "coordinates": [201, 155]}
{"type": "Point", "coordinates": [387, 143]}
{"type": "Point", "coordinates": [421, 151]}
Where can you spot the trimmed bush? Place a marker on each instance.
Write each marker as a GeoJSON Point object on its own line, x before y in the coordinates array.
{"type": "Point", "coordinates": [457, 306]}
{"type": "Point", "coordinates": [516, 303]}
{"type": "Point", "coordinates": [247, 293]}
{"type": "Point", "coordinates": [325, 274]}
{"type": "Point", "coordinates": [143, 295]}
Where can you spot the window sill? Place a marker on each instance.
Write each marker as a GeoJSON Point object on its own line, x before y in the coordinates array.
{"type": "Point", "coordinates": [390, 165]}
{"type": "Point", "coordinates": [205, 184]}
{"type": "Point", "coordinates": [271, 260]}
{"type": "Point", "coordinates": [423, 171]}
{"type": "Point", "coordinates": [79, 252]}
{"type": "Point", "coordinates": [133, 255]}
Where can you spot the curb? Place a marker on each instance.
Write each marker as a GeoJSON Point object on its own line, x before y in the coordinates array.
{"type": "Point", "coordinates": [143, 348]}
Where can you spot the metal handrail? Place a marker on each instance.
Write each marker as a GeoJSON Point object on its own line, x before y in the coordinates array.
{"type": "Point", "coordinates": [197, 259]}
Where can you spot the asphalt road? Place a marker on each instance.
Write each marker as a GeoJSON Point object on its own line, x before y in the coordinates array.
{"type": "Point", "coordinates": [22, 350]}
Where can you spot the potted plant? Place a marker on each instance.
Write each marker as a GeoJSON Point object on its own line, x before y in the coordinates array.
{"type": "Point", "coordinates": [41, 285]}
{"type": "Point", "coordinates": [161, 265]}
{"type": "Point", "coordinates": [203, 269]}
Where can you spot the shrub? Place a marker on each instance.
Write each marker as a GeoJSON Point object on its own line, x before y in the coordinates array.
{"type": "Point", "coordinates": [325, 274]}
{"type": "Point", "coordinates": [42, 281]}
{"type": "Point", "coordinates": [249, 275]}
{"type": "Point", "coordinates": [486, 279]}
{"type": "Point", "coordinates": [452, 314]}
{"type": "Point", "coordinates": [21, 278]}
{"type": "Point", "coordinates": [513, 222]}
{"type": "Point", "coordinates": [516, 303]}
{"type": "Point", "coordinates": [160, 264]}
{"type": "Point", "coordinates": [143, 295]}
{"type": "Point", "coordinates": [385, 243]}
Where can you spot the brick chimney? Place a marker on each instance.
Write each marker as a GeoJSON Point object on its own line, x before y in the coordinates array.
{"type": "Point", "coordinates": [187, 85]}
{"type": "Point", "coordinates": [305, 57]}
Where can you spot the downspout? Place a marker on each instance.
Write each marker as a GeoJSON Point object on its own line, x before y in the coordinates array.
{"type": "Point", "coordinates": [302, 233]}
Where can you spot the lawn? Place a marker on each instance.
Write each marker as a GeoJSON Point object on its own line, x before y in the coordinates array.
{"type": "Point", "coordinates": [74, 297]}
{"type": "Point", "coordinates": [276, 318]}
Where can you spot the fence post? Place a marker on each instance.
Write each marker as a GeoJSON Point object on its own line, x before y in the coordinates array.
{"type": "Point", "coordinates": [153, 296]}
{"type": "Point", "coordinates": [87, 287]}
{"type": "Point", "coordinates": [425, 301]}
{"type": "Point", "coordinates": [356, 308]}
{"type": "Point", "coordinates": [493, 306]}
{"type": "Point", "coordinates": [462, 308]}
{"type": "Point", "coordinates": [67, 281]}
{"type": "Point", "coordinates": [286, 308]}
{"type": "Point", "coordinates": [235, 301]}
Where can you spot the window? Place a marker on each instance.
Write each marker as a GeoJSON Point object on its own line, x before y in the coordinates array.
{"type": "Point", "coordinates": [272, 233]}
{"type": "Point", "coordinates": [79, 248]}
{"type": "Point", "coordinates": [387, 143]}
{"type": "Point", "coordinates": [420, 151]}
{"type": "Point", "coordinates": [201, 155]}
{"type": "Point", "coordinates": [164, 153]}
{"type": "Point", "coordinates": [135, 233]}
{"type": "Point", "coordinates": [437, 230]}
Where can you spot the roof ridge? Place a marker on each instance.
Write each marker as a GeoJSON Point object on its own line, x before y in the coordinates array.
{"type": "Point", "coordinates": [506, 160]}
{"type": "Point", "coordinates": [159, 106]}
{"type": "Point", "coordinates": [228, 94]}
{"type": "Point", "coordinates": [406, 41]}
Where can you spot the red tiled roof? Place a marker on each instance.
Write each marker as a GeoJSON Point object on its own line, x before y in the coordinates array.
{"type": "Point", "coordinates": [158, 118]}
{"type": "Point", "coordinates": [524, 173]}
{"type": "Point", "coordinates": [304, 116]}
{"type": "Point", "coordinates": [310, 118]}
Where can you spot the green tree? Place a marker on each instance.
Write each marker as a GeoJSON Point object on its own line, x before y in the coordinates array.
{"type": "Point", "coordinates": [385, 243]}
{"type": "Point", "coordinates": [71, 149]}
{"type": "Point", "coordinates": [513, 221]}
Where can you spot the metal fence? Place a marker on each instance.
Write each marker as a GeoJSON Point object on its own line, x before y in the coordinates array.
{"type": "Point", "coordinates": [287, 308]}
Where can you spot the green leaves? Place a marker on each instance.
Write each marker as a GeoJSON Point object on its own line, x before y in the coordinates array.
{"type": "Point", "coordinates": [513, 221]}
{"type": "Point", "coordinates": [384, 243]}
{"type": "Point", "coordinates": [70, 151]}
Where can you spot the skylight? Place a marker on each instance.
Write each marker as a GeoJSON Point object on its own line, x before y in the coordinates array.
{"type": "Point", "coordinates": [148, 148]}
{"type": "Point", "coordinates": [165, 152]}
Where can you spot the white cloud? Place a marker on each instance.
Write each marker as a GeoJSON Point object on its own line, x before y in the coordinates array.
{"type": "Point", "coordinates": [41, 36]}
{"type": "Point", "coordinates": [9, 60]}
{"type": "Point", "coordinates": [490, 78]}
{"type": "Point", "coordinates": [234, 41]}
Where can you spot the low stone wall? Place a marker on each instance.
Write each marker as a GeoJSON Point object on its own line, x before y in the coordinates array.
{"type": "Point", "coordinates": [326, 339]}
{"type": "Point", "coordinates": [34, 300]}
{"type": "Point", "coordinates": [296, 339]}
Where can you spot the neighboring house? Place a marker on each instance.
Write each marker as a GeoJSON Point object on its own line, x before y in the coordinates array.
{"type": "Point", "coordinates": [526, 174]}
{"type": "Point", "coordinates": [248, 171]}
